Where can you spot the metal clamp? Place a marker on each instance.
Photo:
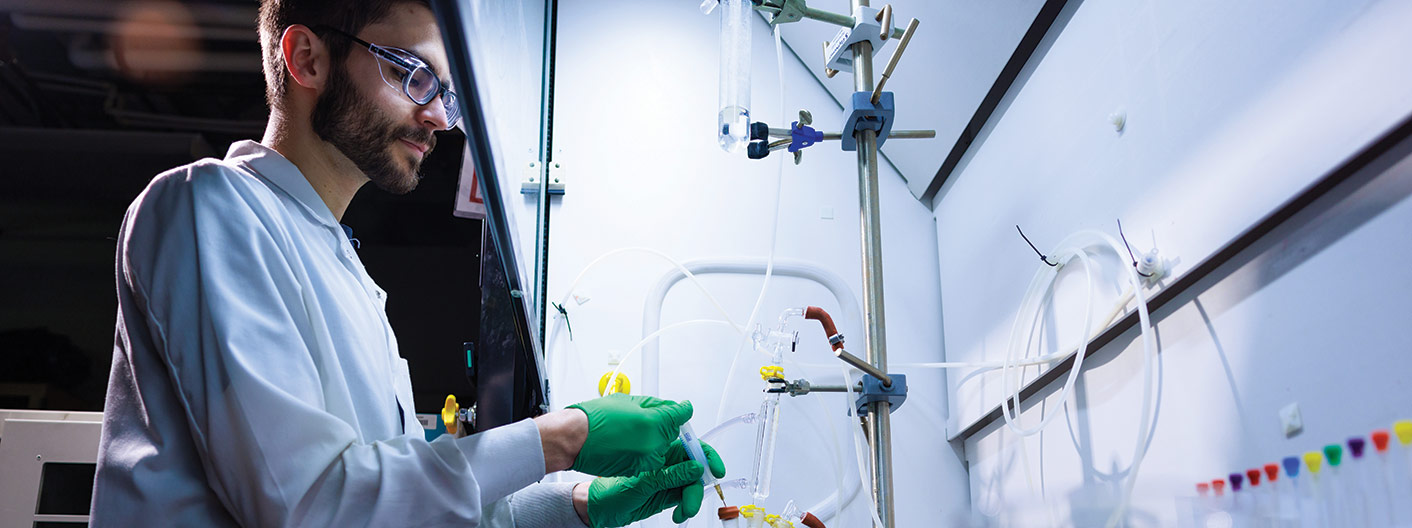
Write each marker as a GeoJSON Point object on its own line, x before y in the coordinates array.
{"type": "Point", "coordinates": [863, 114]}
{"type": "Point", "coordinates": [874, 391]}
{"type": "Point", "coordinates": [866, 27]}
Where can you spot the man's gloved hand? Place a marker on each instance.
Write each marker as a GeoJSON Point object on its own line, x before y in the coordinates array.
{"type": "Point", "coordinates": [620, 501]}
{"type": "Point", "coordinates": [628, 435]}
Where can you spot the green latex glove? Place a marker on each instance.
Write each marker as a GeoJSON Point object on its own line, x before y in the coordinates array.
{"type": "Point", "coordinates": [628, 435]}
{"type": "Point", "coordinates": [620, 501]}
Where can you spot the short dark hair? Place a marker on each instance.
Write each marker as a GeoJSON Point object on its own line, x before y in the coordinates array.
{"type": "Point", "coordinates": [278, 15]}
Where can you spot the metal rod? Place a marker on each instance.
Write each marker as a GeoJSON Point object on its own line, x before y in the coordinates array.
{"type": "Point", "coordinates": [835, 136]}
{"type": "Point", "coordinates": [833, 388]}
{"type": "Point", "coordinates": [895, 134]}
{"type": "Point", "coordinates": [874, 337]}
{"type": "Point", "coordinates": [864, 366]}
{"type": "Point", "coordinates": [892, 62]}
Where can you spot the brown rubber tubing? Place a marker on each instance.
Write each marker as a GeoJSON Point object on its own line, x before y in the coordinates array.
{"type": "Point", "coordinates": [818, 314]}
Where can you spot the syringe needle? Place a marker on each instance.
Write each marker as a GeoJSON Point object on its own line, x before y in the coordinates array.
{"type": "Point", "coordinates": [721, 494]}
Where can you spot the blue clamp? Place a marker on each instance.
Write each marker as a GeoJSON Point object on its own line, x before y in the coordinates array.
{"type": "Point", "coordinates": [802, 136]}
{"type": "Point", "coordinates": [874, 391]}
{"type": "Point", "coordinates": [864, 115]}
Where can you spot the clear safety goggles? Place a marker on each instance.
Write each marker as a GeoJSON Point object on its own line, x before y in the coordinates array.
{"type": "Point", "coordinates": [403, 70]}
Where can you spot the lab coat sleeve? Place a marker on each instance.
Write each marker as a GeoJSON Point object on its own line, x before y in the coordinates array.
{"type": "Point", "coordinates": [543, 505]}
{"type": "Point", "coordinates": [233, 321]}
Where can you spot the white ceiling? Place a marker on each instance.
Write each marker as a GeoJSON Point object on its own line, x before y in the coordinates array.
{"type": "Point", "coordinates": [953, 59]}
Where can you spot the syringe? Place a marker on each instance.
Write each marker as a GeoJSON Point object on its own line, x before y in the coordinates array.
{"type": "Point", "coordinates": [693, 450]}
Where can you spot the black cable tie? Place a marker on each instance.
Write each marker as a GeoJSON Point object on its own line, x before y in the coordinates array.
{"type": "Point", "coordinates": [1036, 250]}
{"type": "Point", "coordinates": [560, 308]}
{"type": "Point", "coordinates": [1130, 251]}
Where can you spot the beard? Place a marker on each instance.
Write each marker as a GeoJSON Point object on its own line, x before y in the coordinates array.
{"type": "Point", "coordinates": [367, 136]}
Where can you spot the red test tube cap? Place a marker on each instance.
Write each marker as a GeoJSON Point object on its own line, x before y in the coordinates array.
{"type": "Point", "coordinates": [1380, 440]}
{"type": "Point", "coordinates": [1272, 472]}
{"type": "Point", "coordinates": [1219, 485]}
{"type": "Point", "coordinates": [1254, 476]}
{"type": "Point", "coordinates": [1203, 488]}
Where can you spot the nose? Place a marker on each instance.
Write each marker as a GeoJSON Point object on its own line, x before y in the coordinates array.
{"type": "Point", "coordinates": [433, 114]}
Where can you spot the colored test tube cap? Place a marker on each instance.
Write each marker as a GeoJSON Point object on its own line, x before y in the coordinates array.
{"type": "Point", "coordinates": [1202, 488]}
{"type": "Point", "coordinates": [1380, 438]}
{"type": "Point", "coordinates": [1291, 464]}
{"type": "Point", "coordinates": [1356, 445]}
{"type": "Point", "coordinates": [1253, 475]}
{"type": "Point", "coordinates": [1272, 471]}
{"type": "Point", "coordinates": [1334, 453]}
{"type": "Point", "coordinates": [1236, 480]}
{"type": "Point", "coordinates": [1403, 430]}
{"type": "Point", "coordinates": [1218, 485]}
{"type": "Point", "coordinates": [1314, 460]}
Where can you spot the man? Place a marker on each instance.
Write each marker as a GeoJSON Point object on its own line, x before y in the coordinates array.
{"type": "Point", "coordinates": [255, 379]}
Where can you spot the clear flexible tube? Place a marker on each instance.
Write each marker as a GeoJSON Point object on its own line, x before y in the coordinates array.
{"type": "Point", "coordinates": [858, 448]}
{"type": "Point", "coordinates": [1047, 277]}
{"type": "Point", "coordinates": [747, 418]}
{"type": "Point", "coordinates": [613, 379]}
{"type": "Point", "coordinates": [733, 120]}
{"type": "Point", "coordinates": [554, 358]}
{"type": "Point", "coordinates": [1072, 247]}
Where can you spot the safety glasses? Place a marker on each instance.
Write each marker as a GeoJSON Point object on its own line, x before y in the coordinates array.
{"type": "Point", "coordinates": [403, 70]}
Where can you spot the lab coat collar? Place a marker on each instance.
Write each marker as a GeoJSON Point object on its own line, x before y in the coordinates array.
{"type": "Point", "coordinates": [271, 165]}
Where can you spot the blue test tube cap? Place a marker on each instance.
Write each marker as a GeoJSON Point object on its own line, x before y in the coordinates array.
{"type": "Point", "coordinates": [1236, 479]}
{"type": "Point", "coordinates": [1291, 466]}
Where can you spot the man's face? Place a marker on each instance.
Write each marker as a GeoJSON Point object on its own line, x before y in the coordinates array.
{"type": "Point", "coordinates": [376, 126]}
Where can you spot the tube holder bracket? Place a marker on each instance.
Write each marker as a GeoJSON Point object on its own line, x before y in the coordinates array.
{"type": "Point", "coordinates": [862, 114]}
{"type": "Point", "coordinates": [837, 55]}
{"type": "Point", "coordinates": [874, 391]}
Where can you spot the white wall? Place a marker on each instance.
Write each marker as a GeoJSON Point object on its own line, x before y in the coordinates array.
{"type": "Point", "coordinates": [1232, 108]}
{"type": "Point", "coordinates": [635, 113]}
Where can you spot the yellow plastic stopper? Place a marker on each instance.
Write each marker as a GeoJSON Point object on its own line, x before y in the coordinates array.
{"type": "Point", "coordinates": [750, 511]}
{"type": "Point", "coordinates": [1314, 460]}
{"type": "Point", "coordinates": [1403, 429]}
{"type": "Point", "coordinates": [621, 386]}
{"type": "Point", "coordinates": [771, 371]}
{"type": "Point", "coordinates": [776, 521]}
{"type": "Point", "coordinates": [448, 414]}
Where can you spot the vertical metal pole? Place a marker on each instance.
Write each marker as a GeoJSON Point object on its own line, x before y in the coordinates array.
{"type": "Point", "coordinates": [879, 422]}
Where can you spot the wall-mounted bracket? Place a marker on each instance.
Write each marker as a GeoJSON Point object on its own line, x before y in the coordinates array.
{"type": "Point", "coordinates": [533, 172]}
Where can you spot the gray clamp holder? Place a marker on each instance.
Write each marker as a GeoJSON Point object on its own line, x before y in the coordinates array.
{"type": "Point", "coordinates": [837, 53]}
{"type": "Point", "coordinates": [874, 391]}
{"type": "Point", "coordinates": [862, 114]}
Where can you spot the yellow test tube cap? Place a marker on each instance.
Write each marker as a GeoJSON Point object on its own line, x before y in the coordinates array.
{"type": "Point", "coordinates": [750, 511]}
{"type": "Point", "coordinates": [1314, 460]}
{"type": "Point", "coordinates": [771, 371]}
{"type": "Point", "coordinates": [620, 386]}
{"type": "Point", "coordinates": [1403, 430]}
{"type": "Point", "coordinates": [448, 413]}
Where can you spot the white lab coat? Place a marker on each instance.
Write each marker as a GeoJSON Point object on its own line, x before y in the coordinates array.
{"type": "Point", "coordinates": [256, 380]}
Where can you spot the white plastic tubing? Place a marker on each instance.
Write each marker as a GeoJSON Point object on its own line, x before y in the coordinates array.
{"type": "Point", "coordinates": [652, 321]}
{"type": "Point", "coordinates": [1078, 247]}
{"type": "Point", "coordinates": [652, 309]}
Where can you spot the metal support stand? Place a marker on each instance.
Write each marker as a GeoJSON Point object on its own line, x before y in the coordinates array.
{"type": "Point", "coordinates": [874, 339]}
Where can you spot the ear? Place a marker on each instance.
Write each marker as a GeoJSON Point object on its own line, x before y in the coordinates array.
{"type": "Point", "coordinates": [305, 56]}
